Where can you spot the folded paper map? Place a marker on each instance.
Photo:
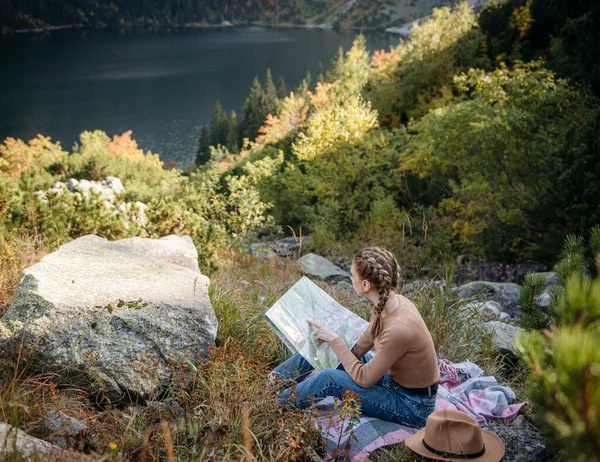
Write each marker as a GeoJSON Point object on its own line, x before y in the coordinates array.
{"type": "Point", "coordinates": [305, 301]}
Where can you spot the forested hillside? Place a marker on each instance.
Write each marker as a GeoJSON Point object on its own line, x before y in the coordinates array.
{"type": "Point", "coordinates": [38, 13]}
{"type": "Point", "coordinates": [16, 15]}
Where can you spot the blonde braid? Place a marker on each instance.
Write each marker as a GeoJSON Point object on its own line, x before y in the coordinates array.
{"type": "Point", "coordinates": [393, 265]}
{"type": "Point", "coordinates": [379, 267]}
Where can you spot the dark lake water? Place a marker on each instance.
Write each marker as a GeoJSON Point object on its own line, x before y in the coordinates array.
{"type": "Point", "coordinates": [160, 85]}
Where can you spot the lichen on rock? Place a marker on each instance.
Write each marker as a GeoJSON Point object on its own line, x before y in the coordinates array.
{"type": "Point", "coordinates": [113, 315]}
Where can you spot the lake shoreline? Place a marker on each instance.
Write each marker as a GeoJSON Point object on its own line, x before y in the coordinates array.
{"type": "Point", "coordinates": [224, 25]}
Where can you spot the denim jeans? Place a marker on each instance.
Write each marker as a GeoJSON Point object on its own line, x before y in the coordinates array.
{"type": "Point", "coordinates": [385, 400]}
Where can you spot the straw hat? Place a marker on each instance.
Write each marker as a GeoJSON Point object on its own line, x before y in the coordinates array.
{"type": "Point", "coordinates": [454, 436]}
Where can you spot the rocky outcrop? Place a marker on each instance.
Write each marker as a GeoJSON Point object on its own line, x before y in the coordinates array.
{"type": "Point", "coordinates": [523, 441]}
{"type": "Point", "coordinates": [494, 271]}
{"type": "Point", "coordinates": [506, 294]}
{"type": "Point", "coordinates": [114, 314]}
{"type": "Point", "coordinates": [106, 191]}
{"type": "Point", "coordinates": [503, 336]}
{"type": "Point", "coordinates": [317, 266]}
{"type": "Point", "coordinates": [291, 247]}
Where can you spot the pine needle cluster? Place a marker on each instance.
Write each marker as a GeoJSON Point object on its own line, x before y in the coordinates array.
{"type": "Point", "coordinates": [564, 382]}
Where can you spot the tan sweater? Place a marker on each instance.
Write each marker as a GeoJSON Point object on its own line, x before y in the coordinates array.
{"type": "Point", "coordinates": [404, 350]}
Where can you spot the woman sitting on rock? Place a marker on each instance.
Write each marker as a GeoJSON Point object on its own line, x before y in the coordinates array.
{"type": "Point", "coordinates": [397, 384]}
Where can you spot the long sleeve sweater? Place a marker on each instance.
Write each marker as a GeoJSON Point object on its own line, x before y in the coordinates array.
{"type": "Point", "coordinates": [404, 349]}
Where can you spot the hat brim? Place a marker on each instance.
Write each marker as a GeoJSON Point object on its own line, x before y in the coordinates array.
{"type": "Point", "coordinates": [494, 448]}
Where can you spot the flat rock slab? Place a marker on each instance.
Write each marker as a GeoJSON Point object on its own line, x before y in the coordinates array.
{"type": "Point", "coordinates": [179, 250]}
{"type": "Point", "coordinates": [317, 266]}
{"type": "Point", "coordinates": [111, 316]}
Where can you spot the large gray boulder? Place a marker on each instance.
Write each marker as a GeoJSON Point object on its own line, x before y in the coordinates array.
{"type": "Point", "coordinates": [179, 250]}
{"type": "Point", "coordinates": [317, 266]}
{"type": "Point", "coordinates": [503, 336]}
{"type": "Point", "coordinates": [113, 315]}
{"type": "Point", "coordinates": [504, 293]}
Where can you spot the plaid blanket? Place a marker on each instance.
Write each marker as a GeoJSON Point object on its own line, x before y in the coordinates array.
{"type": "Point", "coordinates": [462, 387]}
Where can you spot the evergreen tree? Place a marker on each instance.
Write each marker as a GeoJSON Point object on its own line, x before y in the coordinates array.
{"type": "Point", "coordinates": [304, 86]}
{"type": "Point", "coordinates": [219, 126]}
{"type": "Point", "coordinates": [564, 381]}
{"type": "Point", "coordinates": [254, 111]}
{"type": "Point", "coordinates": [203, 154]}
{"type": "Point", "coordinates": [336, 68]}
{"type": "Point", "coordinates": [273, 102]}
{"type": "Point", "coordinates": [281, 89]}
{"type": "Point", "coordinates": [573, 263]}
{"type": "Point", "coordinates": [530, 302]}
{"type": "Point", "coordinates": [233, 134]}
{"type": "Point", "coordinates": [320, 72]}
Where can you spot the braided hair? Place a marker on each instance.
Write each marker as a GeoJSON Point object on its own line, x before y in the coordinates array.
{"type": "Point", "coordinates": [380, 268]}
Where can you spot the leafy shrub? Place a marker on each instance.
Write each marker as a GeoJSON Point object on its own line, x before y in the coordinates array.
{"type": "Point", "coordinates": [208, 207]}
{"type": "Point", "coordinates": [97, 156]}
{"type": "Point", "coordinates": [338, 123]}
{"type": "Point", "coordinates": [17, 157]}
{"type": "Point", "coordinates": [494, 149]}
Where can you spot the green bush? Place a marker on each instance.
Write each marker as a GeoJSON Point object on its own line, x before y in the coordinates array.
{"type": "Point", "coordinates": [495, 148]}
{"type": "Point", "coordinates": [209, 207]}
{"type": "Point", "coordinates": [564, 382]}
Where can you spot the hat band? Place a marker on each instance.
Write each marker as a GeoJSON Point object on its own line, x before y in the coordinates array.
{"type": "Point", "coordinates": [472, 455]}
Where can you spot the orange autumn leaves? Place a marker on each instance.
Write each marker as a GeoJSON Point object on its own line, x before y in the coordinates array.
{"type": "Point", "coordinates": [125, 147]}
{"type": "Point", "coordinates": [18, 156]}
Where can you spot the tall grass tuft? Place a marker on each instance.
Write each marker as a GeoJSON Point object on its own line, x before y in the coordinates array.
{"type": "Point", "coordinates": [16, 254]}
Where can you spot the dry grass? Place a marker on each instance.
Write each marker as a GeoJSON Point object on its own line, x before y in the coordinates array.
{"type": "Point", "coordinates": [228, 410]}
{"type": "Point", "coordinates": [16, 254]}
{"type": "Point", "coordinates": [243, 290]}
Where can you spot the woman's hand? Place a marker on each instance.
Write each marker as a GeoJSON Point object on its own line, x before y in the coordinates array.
{"type": "Point", "coordinates": [323, 334]}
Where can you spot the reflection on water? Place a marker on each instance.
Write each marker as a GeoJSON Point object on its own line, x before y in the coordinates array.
{"type": "Point", "coordinates": [161, 85]}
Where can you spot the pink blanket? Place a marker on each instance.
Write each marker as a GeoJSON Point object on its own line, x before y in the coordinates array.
{"type": "Point", "coordinates": [462, 386]}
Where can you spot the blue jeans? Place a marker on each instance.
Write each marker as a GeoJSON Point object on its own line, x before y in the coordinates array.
{"type": "Point", "coordinates": [386, 400]}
